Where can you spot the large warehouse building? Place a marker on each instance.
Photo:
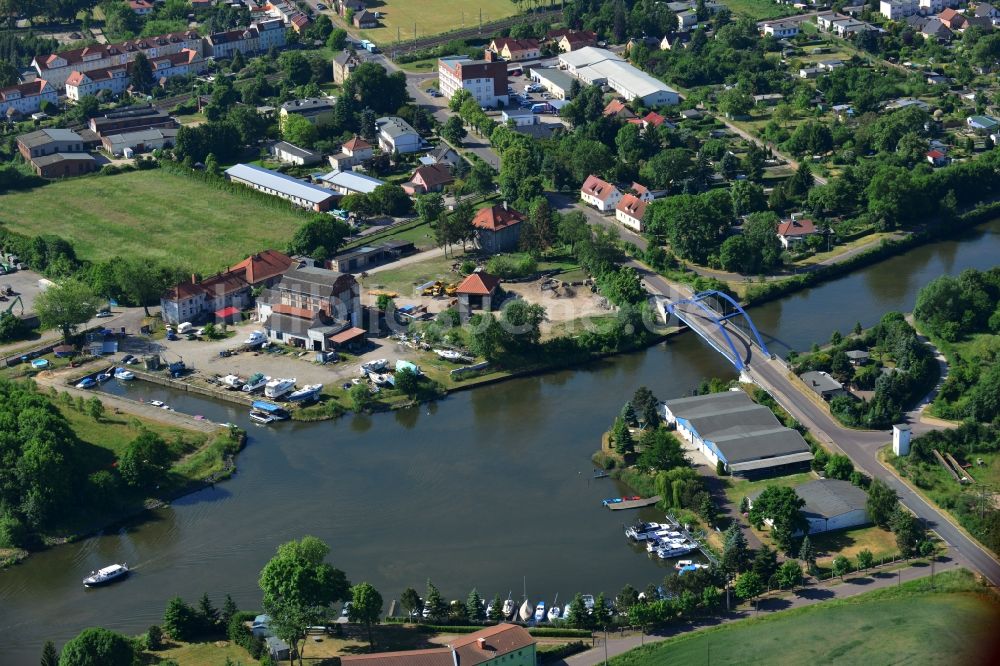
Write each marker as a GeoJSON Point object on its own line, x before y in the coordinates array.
{"type": "Point", "coordinates": [746, 437]}
{"type": "Point", "coordinates": [830, 504]}
{"type": "Point", "coordinates": [602, 67]}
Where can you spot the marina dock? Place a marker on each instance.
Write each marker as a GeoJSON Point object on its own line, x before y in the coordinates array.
{"type": "Point", "coordinates": [635, 504]}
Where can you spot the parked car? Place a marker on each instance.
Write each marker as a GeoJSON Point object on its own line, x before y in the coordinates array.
{"type": "Point", "coordinates": [104, 313]}
{"type": "Point", "coordinates": [320, 6]}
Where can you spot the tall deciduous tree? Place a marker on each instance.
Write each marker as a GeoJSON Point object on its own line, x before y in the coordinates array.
{"type": "Point", "coordinates": [366, 607]}
{"type": "Point", "coordinates": [882, 503]}
{"type": "Point", "coordinates": [410, 601]}
{"type": "Point", "coordinates": [298, 587]}
{"type": "Point", "coordinates": [783, 508]}
{"type": "Point", "coordinates": [141, 73]}
{"type": "Point", "coordinates": [66, 306]}
{"type": "Point", "coordinates": [97, 647]}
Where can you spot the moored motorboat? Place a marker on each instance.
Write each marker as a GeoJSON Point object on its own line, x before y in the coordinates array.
{"type": "Point", "coordinates": [103, 377]}
{"type": "Point", "coordinates": [124, 375]}
{"type": "Point", "coordinates": [307, 393]}
{"type": "Point", "coordinates": [278, 387]}
{"type": "Point", "coordinates": [86, 383]}
{"type": "Point", "coordinates": [262, 417]}
{"type": "Point", "coordinates": [683, 563]}
{"type": "Point", "coordinates": [106, 575]}
{"type": "Point", "coordinates": [156, 403]}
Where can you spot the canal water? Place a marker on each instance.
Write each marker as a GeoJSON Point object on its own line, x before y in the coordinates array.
{"type": "Point", "coordinates": [490, 488]}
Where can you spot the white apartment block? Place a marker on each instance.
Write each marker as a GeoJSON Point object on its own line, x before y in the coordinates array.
{"type": "Point", "coordinates": [485, 81]}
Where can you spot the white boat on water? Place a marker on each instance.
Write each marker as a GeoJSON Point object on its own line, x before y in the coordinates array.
{"type": "Point", "coordinates": [232, 382]}
{"type": "Point", "coordinates": [123, 374]}
{"type": "Point", "coordinates": [106, 576]}
{"type": "Point", "coordinates": [683, 563]}
{"type": "Point", "coordinates": [310, 392]}
{"type": "Point", "coordinates": [525, 611]}
{"type": "Point", "coordinates": [642, 531]}
{"type": "Point", "coordinates": [540, 611]}
{"type": "Point", "coordinates": [278, 387]}
{"type": "Point", "coordinates": [449, 354]}
{"type": "Point", "coordinates": [676, 549]}
{"type": "Point", "coordinates": [256, 382]}
{"type": "Point", "coordinates": [103, 377]}
{"type": "Point", "coordinates": [376, 365]}
{"type": "Point", "coordinates": [157, 403]}
{"type": "Point", "coordinates": [262, 417]}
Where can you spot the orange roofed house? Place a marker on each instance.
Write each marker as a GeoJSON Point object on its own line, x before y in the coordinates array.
{"type": "Point", "coordinates": [506, 644]}
{"type": "Point", "coordinates": [196, 299]}
{"type": "Point", "coordinates": [498, 228]}
{"type": "Point", "coordinates": [479, 291]}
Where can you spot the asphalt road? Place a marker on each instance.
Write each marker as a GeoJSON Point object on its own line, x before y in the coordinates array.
{"type": "Point", "coordinates": [861, 446]}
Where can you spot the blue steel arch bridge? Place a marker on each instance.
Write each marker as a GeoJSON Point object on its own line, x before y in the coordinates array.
{"type": "Point", "coordinates": [723, 323]}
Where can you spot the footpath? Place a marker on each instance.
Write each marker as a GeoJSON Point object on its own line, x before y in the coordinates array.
{"type": "Point", "coordinates": [855, 584]}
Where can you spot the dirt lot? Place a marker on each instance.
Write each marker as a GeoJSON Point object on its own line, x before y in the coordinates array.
{"type": "Point", "coordinates": [562, 304]}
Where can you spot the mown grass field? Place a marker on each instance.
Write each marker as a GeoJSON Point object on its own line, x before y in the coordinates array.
{"type": "Point", "coordinates": [432, 17]}
{"type": "Point", "coordinates": [153, 214]}
{"type": "Point", "coordinates": [908, 625]}
{"type": "Point", "coordinates": [759, 10]}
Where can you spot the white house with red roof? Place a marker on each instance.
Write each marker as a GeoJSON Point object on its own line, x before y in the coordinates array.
{"type": "Point", "coordinates": [56, 67]}
{"type": "Point", "coordinates": [352, 153]}
{"type": "Point", "coordinates": [630, 211]}
{"type": "Point", "coordinates": [500, 645]}
{"type": "Point", "coordinates": [515, 49]}
{"type": "Point", "coordinates": [795, 230]}
{"type": "Point", "coordinates": [116, 80]}
{"type": "Point", "coordinates": [498, 228]}
{"type": "Point", "coordinates": [26, 98]}
{"type": "Point", "coordinates": [600, 194]}
{"type": "Point", "coordinates": [140, 7]}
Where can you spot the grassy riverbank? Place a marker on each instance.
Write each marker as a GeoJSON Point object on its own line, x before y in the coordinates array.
{"type": "Point", "coordinates": [913, 624]}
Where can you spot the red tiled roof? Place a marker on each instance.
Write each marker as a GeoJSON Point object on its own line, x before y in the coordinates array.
{"type": "Point", "coordinates": [432, 175]}
{"type": "Point", "coordinates": [76, 55]}
{"type": "Point", "coordinates": [654, 119]}
{"type": "Point", "coordinates": [496, 218]}
{"type": "Point", "coordinates": [596, 187]}
{"type": "Point", "coordinates": [639, 189]}
{"type": "Point", "coordinates": [935, 154]}
{"type": "Point", "coordinates": [29, 89]}
{"type": "Point", "coordinates": [617, 107]}
{"type": "Point", "coordinates": [356, 144]}
{"type": "Point", "coordinates": [632, 206]}
{"type": "Point", "coordinates": [799, 227]}
{"type": "Point", "coordinates": [497, 641]}
{"type": "Point", "coordinates": [263, 266]}
{"type": "Point", "coordinates": [577, 38]}
{"type": "Point", "coordinates": [515, 44]}
{"type": "Point", "coordinates": [479, 284]}
{"type": "Point", "coordinates": [227, 312]}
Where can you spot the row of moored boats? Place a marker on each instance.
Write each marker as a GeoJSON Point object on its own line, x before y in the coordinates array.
{"type": "Point", "coordinates": [665, 540]}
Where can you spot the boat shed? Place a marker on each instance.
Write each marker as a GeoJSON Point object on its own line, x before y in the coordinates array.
{"type": "Point", "coordinates": [731, 428]}
{"type": "Point", "coordinates": [830, 504]}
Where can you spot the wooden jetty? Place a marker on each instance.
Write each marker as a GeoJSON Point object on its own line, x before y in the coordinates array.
{"type": "Point", "coordinates": [634, 504]}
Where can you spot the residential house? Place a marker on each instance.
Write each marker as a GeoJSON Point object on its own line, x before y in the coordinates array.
{"type": "Point", "coordinates": [352, 153]}
{"type": "Point", "coordinates": [479, 291]}
{"type": "Point", "coordinates": [259, 37]}
{"type": "Point", "coordinates": [982, 124]}
{"type": "Point", "coordinates": [196, 299]}
{"type": "Point", "coordinates": [937, 158]}
{"type": "Point", "coordinates": [844, 112]}
{"type": "Point", "coordinates": [781, 29]}
{"type": "Point", "coordinates": [24, 99]}
{"type": "Point", "coordinates": [894, 10]}
{"type": "Point", "coordinates": [858, 357]}
{"type": "Point", "coordinates": [140, 7]}
{"type": "Point", "coordinates": [443, 154]}
{"type": "Point", "coordinates": [485, 81]}
{"type": "Point", "coordinates": [904, 102]}
{"type": "Point", "coordinates": [576, 39]}
{"type": "Point", "coordinates": [289, 14]}
{"type": "Point", "coordinates": [687, 19]}
{"type": "Point", "coordinates": [795, 230]}
{"type": "Point", "coordinates": [291, 154]}
{"type": "Point", "coordinates": [117, 79]}
{"type": "Point", "coordinates": [317, 110]}
{"type": "Point", "coordinates": [350, 182]}
{"type": "Point", "coordinates": [352, 6]}
{"type": "Point", "coordinates": [365, 20]}
{"type": "Point", "coordinates": [935, 29]}
{"type": "Point", "coordinates": [934, 79]}
{"type": "Point", "coordinates": [917, 22]}
{"type": "Point", "coordinates": [558, 83]}
{"type": "Point", "coordinates": [395, 135]}
{"type": "Point", "coordinates": [499, 645]}
{"type": "Point", "coordinates": [768, 99]}
{"type": "Point", "coordinates": [313, 308]}
{"type": "Point", "coordinates": [344, 63]}
{"type": "Point", "coordinates": [600, 194]}
{"type": "Point", "coordinates": [142, 141]}
{"type": "Point", "coordinates": [56, 67]}
{"type": "Point", "coordinates": [429, 178]}
{"type": "Point", "coordinates": [653, 119]}
{"type": "Point", "coordinates": [829, 504]}
{"type": "Point", "coordinates": [809, 72]}
{"type": "Point", "coordinates": [131, 119]}
{"type": "Point", "coordinates": [515, 50]}
{"type": "Point", "coordinates": [300, 193]}
{"type": "Point", "coordinates": [822, 384]}
{"type": "Point", "coordinates": [498, 228]}
{"type": "Point", "coordinates": [675, 40]}
{"type": "Point", "coordinates": [953, 19]}
{"type": "Point", "coordinates": [630, 211]}
{"type": "Point", "coordinates": [731, 429]}
{"type": "Point", "coordinates": [617, 108]}
{"type": "Point", "coordinates": [519, 117]}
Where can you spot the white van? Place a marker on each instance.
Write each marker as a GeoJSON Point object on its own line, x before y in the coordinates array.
{"type": "Point", "coordinates": [184, 327]}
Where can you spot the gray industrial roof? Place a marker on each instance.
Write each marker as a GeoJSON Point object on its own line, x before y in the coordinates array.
{"type": "Point", "coordinates": [394, 126]}
{"type": "Point", "coordinates": [748, 435]}
{"type": "Point", "coordinates": [350, 180]}
{"type": "Point", "coordinates": [556, 77]}
{"type": "Point", "coordinates": [46, 160]}
{"type": "Point", "coordinates": [828, 498]}
{"type": "Point", "coordinates": [279, 183]}
{"type": "Point", "coordinates": [292, 149]}
{"type": "Point", "coordinates": [43, 136]}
